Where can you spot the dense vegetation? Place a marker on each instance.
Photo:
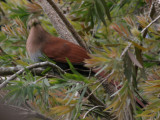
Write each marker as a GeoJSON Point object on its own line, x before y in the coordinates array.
{"type": "Point", "coordinates": [121, 44]}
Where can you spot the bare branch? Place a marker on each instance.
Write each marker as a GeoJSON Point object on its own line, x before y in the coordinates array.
{"type": "Point", "coordinates": [41, 64]}
{"type": "Point", "coordinates": [126, 49]}
{"type": "Point", "coordinates": [67, 23]}
{"type": "Point", "coordinates": [60, 22]}
{"type": "Point", "coordinates": [150, 24]}
{"type": "Point", "coordinates": [56, 21]}
{"type": "Point", "coordinates": [5, 71]}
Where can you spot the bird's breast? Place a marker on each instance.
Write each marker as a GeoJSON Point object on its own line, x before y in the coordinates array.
{"type": "Point", "coordinates": [36, 56]}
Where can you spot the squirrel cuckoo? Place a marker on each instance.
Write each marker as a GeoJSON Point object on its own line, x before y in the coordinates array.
{"type": "Point", "coordinates": [40, 43]}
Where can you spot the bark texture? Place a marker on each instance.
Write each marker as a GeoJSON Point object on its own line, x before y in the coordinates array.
{"type": "Point", "coordinates": [56, 21]}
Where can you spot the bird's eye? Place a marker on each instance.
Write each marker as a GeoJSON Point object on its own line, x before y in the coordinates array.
{"type": "Point", "coordinates": [28, 28]}
{"type": "Point", "coordinates": [33, 22]}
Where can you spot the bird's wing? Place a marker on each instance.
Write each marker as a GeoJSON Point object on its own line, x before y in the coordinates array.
{"type": "Point", "coordinates": [60, 49]}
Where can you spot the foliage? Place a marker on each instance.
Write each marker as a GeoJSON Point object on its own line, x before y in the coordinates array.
{"type": "Point", "coordinates": [119, 49]}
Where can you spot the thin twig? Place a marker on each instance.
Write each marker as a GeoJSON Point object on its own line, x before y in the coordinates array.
{"type": "Point", "coordinates": [40, 79]}
{"type": "Point", "coordinates": [90, 111]}
{"type": "Point", "coordinates": [6, 71]}
{"type": "Point", "coordinates": [125, 50]}
{"type": "Point", "coordinates": [150, 24]}
{"type": "Point", "coordinates": [105, 79]}
{"type": "Point", "coordinates": [41, 64]}
{"type": "Point", "coordinates": [141, 97]}
{"type": "Point", "coordinates": [93, 99]}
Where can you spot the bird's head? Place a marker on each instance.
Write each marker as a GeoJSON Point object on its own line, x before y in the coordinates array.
{"type": "Point", "coordinates": [33, 23]}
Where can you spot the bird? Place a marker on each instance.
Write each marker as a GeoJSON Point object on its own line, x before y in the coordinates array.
{"type": "Point", "coordinates": [40, 43]}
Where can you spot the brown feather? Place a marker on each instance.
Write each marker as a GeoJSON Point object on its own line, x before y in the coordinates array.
{"type": "Point", "coordinates": [59, 49]}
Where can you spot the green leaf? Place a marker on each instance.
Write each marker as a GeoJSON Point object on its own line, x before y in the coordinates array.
{"type": "Point", "coordinates": [79, 104]}
{"type": "Point", "coordinates": [46, 82]}
{"type": "Point", "coordinates": [138, 53]}
{"type": "Point", "coordinates": [72, 67]}
{"type": "Point", "coordinates": [46, 70]}
{"type": "Point", "coordinates": [79, 87]}
{"type": "Point", "coordinates": [100, 11]}
{"type": "Point", "coordinates": [134, 60]}
{"type": "Point", "coordinates": [149, 57]}
{"type": "Point", "coordinates": [75, 77]}
{"type": "Point", "coordinates": [127, 67]}
{"type": "Point", "coordinates": [148, 64]}
{"type": "Point", "coordinates": [61, 85]}
{"type": "Point", "coordinates": [53, 81]}
{"type": "Point", "coordinates": [106, 10]}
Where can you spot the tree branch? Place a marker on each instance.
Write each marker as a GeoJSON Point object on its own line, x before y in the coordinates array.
{"type": "Point", "coordinates": [56, 21]}
{"type": "Point", "coordinates": [67, 23]}
{"type": "Point", "coordinates": [150, 24]}
{"type": "Point", "coordinates": [5, 71]}
{"type": "Point", "coordinates": [41, 64]}
{"type": "Point", "coordinates": [60, 22]}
